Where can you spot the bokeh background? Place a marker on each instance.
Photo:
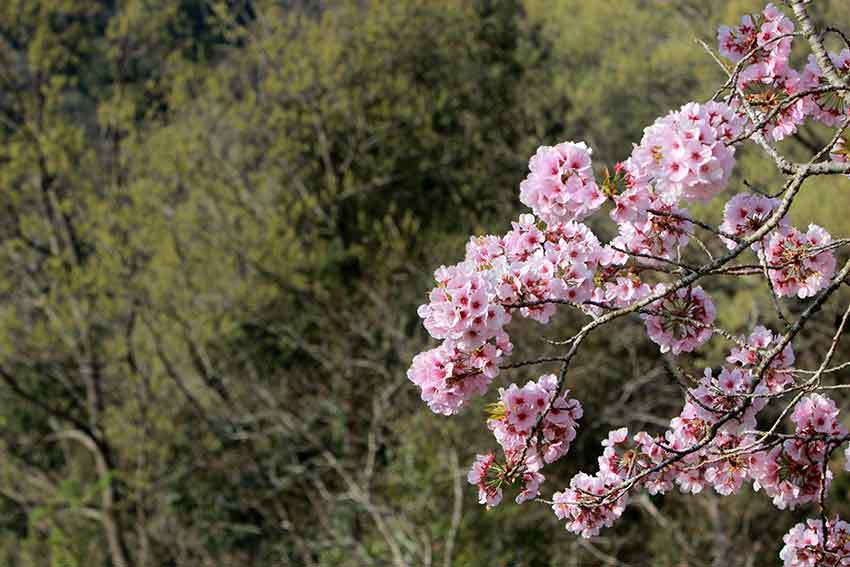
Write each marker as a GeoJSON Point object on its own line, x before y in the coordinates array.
{"type": "Point", "coordinates": [217, 219]}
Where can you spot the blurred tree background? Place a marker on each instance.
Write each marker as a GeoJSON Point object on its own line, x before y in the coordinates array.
{"type": "Point", "coordinates": [217, 219]}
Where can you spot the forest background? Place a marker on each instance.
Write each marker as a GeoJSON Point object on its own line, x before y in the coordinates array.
{"type": "Point", "coordinates": [217, 219]}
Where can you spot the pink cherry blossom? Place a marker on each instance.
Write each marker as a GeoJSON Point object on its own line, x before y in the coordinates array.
{"type": "Point", "coordinates": [531, 481]}
{"type": "Point", "coordinates": [816, 414]}
{"type": "Point", "coordinates": [632, 204]}
{"type": "Point", "coordinates": [744, 214]}
{"type": "Point", "coordinates": [776, 377]}
{"type": "Point", "coordinates": [681, 321]}
{"type": "Point", "coordinates": [827, 107]}
{"type": "Point", "coordinates": [790, 473]}
{"type": "Point", "coordinates": [659, 236]}
{"type": "Point", "coordinates": [798, 264]}
{"type": "Point", "coordinates": [581, 507]}
{"type": "Point", "coordinates": [624, 291]}
{"type": "Point", "coordinates": [485, 475]}
{"type": "Point", "coordinates": [759, 36]}
{"type": "Point", "coordinates": [542, 266]}
{"type": "Point", "coordinates": [736, 42]}
{"type": "Point", "coordinates": [524, 240]}
{"type": "Point", "coordinates": [726, 471]}
{"type": "Point", "coordinates": [805, 547]}
{"type": "Point", "coordinates": [519, 411]}
{"type": "Point", "coordinates": [560, 186]}
{"type": "Point", "coordinates": [767, 79]}
{"type": "Point", "coordinates": [449, 376]}
{"type": "Point", "coordinates": [550, 260]}
{"type": "Point", "coordinates": [684, 155]}
{"type": "Point", "coordinates": [461, 309]}
{"type": "Point", "coordinates": [715, 395]}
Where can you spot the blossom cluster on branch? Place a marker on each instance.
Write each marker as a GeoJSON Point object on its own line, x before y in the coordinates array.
{"type": "Point", "coordinates": [550, 259]}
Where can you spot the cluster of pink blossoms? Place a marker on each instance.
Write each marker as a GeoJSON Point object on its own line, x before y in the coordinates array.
{"type": "Point", "coordinates": [684, 458]}
{"type": "Point", "coordinates": [680, 321]}
{"type": "Point", "coordinates": [550, 258]}
{"type": "Point", "coordinates": [461, 312]}
{"type": "Point", "coordinates": [759, 36]}
{"type": "Point", "coordinates": [659, 235]}
{"type": "Point", "coordinates": [594, 502]}
{"type": "Point", "coordinates": [744, 214]}
{"type": "Point", "coordinates": [683, 155]}
{"type": "Point", "coordinates": [542, 261]}
{"type": "Point", "coordinates": [513, 421]}
{"type": "Point", "coordinates": [487, 475]}
{"type": "Point", "coordinates": [791, 472]}
{"type": "Point", "coordinates": [762, 45]}
{"type": "Point", "coordinates": [450, 376]}
{"type": "Point", "coordinates": [618, 289]}
{"type": "Point", "coordinates": [766, 78]}
{"type": "Point", "coordinates": [827, 107]}
{"type": "Point", "coordinates": [528, 270]}
{"type": "Point", "coordinates": [798, 263]}
{"type": "Point", "coordinates": [560, 186]}
{"type": "Point", "coordinates": [543, 266]}
{"type": "Point", "coordinates": [460, 308]}
{"type": "Point", "coordinates": [776, 376]}
{"type": "Point", "coordinates": [770, 85]}
{"type": "Point", "coordinates": [805, 547]}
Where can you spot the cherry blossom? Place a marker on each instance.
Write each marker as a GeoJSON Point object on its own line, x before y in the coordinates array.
{"type": "Point", "coordinates": [485, 475]}
{"type": "Point", "coordinates": [792, 473]}
{"type": "Point", "coordinates": [760, 36]}
{"type": "Point", "coordinates": [798, 263]}
{"type": "Point", "coordinates": [659, 235]}
{"type": "Point", "coordinates": [681, 321]}
{"type": "Point", "coordinates": [827, 107]}
{"type": "Point", "coordinates": [560, 186]}
{"type": "Point", "coordinates": [744, 214]}
{"type": "Point", "coordinates": [817, 414]}
{"type": "Point", "coordinates": [549, 260]}
{"type": "Point", "coordinates": [776, 376]}
{"type": "Point", "coordinates": [460, 307]}
{"type": "Point", "coordinates": [588, 505]}
{"type": "Point", "coordinates": [805, 547]}
{"type": "Point", "coordinates": [514, 418]}
{"type": "Point", "coordinates": [449, 376]}
{"type": "Point", "coordinates": [684, 155]}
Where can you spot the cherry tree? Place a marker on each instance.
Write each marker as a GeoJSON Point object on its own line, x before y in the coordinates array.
{"type": "Point", "coordinates": [550, 259]}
